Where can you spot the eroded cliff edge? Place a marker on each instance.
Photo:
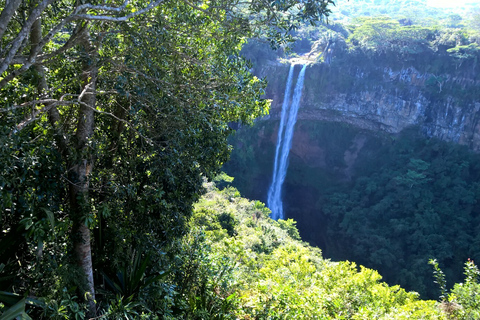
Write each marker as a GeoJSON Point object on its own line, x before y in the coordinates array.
{"type": "Point", "coordinates": [434, 91]}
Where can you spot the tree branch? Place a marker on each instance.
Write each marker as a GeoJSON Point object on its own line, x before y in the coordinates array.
{"type": "Point", "coordinates": [34, 116]}
{"type": "Point", "coordinates": [77, 16]}
{"type": "Point", "coordinates": [22, 35]}
{"type": "Point", "coordinates": [128, 123]}
{"type": "Point", "coordinates": [33, 54]}
{"type": "Point", "coordinates": [104, 8]}
{"type": "Point", "coordinates": [32, 59]}
{"type": "Point", "coordinates": [7, 14]}
{"type": "Point", "coordinates": [29, 103]}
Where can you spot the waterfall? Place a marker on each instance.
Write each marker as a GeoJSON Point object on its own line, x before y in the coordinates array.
{"type": "Point", "coordinates": [284, 142]}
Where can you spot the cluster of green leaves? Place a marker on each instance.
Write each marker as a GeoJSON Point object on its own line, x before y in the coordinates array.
{"type": "Point", "coordinates": [34, 227]}
{"type": "Point", "coordinates": [465, 51]}
{"type": "Point", "coordinates": [466, 293]}
{"type": "Point", "coordinates": [383, 35]}
{"type": "Point", "coordinates": [273, 274]}
{"type": "Point", "coordinates": [462, 301]}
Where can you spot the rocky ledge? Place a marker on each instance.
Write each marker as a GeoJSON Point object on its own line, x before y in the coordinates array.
{"type": "Point", "coordinates": [380, 97]}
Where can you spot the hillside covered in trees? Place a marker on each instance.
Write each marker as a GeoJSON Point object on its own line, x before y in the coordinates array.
{"type": "Point", "coordinates": [114, 120]}
{"type": "Point", "coordinates": [383, 162]}
{"type": "Point", "coordinates": [111, 116]}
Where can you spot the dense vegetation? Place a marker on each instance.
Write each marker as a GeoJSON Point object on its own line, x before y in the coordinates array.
{"type": "Point", "coordinates": [113, 115]}
{"type": "Point", "coordinates": [277, 276]}
{"type": "Point", "coordinates": [110, 117]}
{"type": "Point", "coordinates": [249, 266]}
{"type": "Point", "coordinates": [404, 200]}
{"type": "Point", "coordinates": [420, 202]}
{"type": "Point", "coordinates": [407, 199]}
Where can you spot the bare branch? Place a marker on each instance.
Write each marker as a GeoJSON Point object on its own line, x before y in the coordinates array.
{"type": "Point", "coordinates": [103, 8]}
{"type": "Point", "coordinates": [28, 104]}
{"type": "Point", "coordinates": [23, 34]}
{"type": "Point", "coordinates": [35, 114]}
{"type": "Point", "coordinates": [7, 14]}
{"type": "Point", "coordinates": [53, 103]}
{"type": "Point", "coordinates": [78, 16]}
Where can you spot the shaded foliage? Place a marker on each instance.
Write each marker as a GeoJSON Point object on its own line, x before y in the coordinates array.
{"type": "Point", "coordinates": [418, 204]}
{"type": "Point", "coordinates": [274, 275]}
{"type": "Point", "coordinates": [111, 117]}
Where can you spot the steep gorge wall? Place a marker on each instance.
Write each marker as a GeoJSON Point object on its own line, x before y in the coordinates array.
{"type": "Point", "coordinates": [359, 135]}
{"type": "Point", "coordinates": [377, 94]}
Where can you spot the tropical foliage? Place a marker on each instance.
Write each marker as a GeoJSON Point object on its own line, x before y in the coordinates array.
{"type": "Point", "coordinates": [396, 217]}
{"type": "Point", "coordinates": [111, 115]}
{"type": "Point", "coordinates": [403, 201]}
{"type": "Point", "coordinates": [260, 271]}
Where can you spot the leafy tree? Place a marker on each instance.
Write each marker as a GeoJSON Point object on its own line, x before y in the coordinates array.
{"type": "Point", "coordinates": [382, 34]}
{"type": "Point", "coordinates": [271, 274]}
{"type": "Point", "coordinates": [462, 302]}
{"type": "Point", "coordinates": [111, 113]}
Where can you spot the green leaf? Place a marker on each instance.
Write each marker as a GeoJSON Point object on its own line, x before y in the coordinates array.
{"type": "Point", "coordinates": [50, 217]}
{"type": "Point", "coordinates": [9, 298]}
{"type": "Point", "coordinates": [17, 311]}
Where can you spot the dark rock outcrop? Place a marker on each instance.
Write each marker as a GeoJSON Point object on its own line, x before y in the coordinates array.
{"type": "Point", "coordinates": [374, 94]}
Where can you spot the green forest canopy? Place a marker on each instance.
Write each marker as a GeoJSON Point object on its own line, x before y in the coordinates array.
{"type": "Point", "coordinates": [111, 114]}
{"type": "Point", "coordinates": [399, 30]}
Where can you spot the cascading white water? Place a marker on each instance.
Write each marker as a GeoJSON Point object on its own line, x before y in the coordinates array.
{"type": "Point", "coordinates": [284, 142]}
{"type": "Point", "coordinates": [274, 202]}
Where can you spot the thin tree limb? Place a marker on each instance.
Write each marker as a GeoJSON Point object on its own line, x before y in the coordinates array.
{"type": "Point", "coordinates": [34, 117]}
{"type": "Point", "coordinates": [77, 16]}
{"type": "Point", "coordinates": [103, 8]}
{"type": "Point", "coordinates": [23, 34]}
{"type": "Point", "coordinates": [7, 14]}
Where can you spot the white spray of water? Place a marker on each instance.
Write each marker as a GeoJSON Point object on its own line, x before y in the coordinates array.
{"type": "Point", "coordinates": [284, 142]}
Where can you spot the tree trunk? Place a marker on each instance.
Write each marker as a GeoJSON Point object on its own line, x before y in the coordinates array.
{"type": "Point", "coordinates": [35, 37]}
{"type": "Point", "coordinates": [80, 171]}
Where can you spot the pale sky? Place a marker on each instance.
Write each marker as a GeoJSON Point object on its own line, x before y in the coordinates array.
{"type": "Point", "coordinates": [451, 3]}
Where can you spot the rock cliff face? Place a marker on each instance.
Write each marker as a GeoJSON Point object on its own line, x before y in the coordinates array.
{"type": "Point", "coordinates": [359, 137]}
{"type": "Point", "coordinates": [345, 108]}
{"type": "Point", "coordinates": [376, 95]}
